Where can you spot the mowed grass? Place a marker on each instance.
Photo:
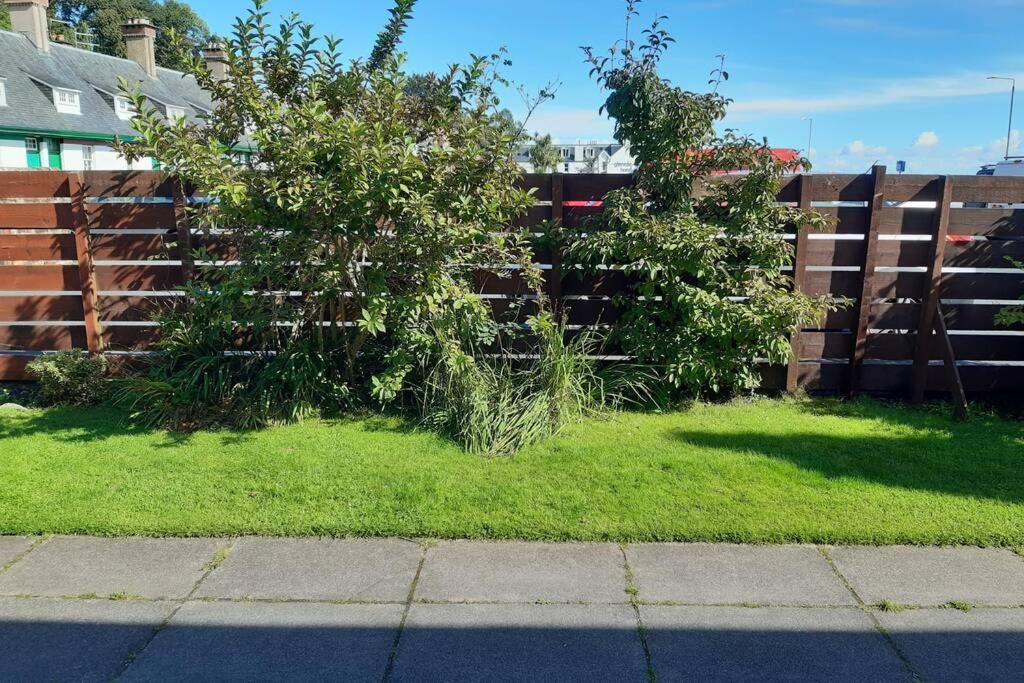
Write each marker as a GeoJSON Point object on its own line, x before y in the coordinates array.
{"type": "Point", "coordinates": [750, 471]}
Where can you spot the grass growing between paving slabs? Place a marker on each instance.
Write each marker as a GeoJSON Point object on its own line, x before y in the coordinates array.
{"type": "Point", "coordinates": [747, 471]}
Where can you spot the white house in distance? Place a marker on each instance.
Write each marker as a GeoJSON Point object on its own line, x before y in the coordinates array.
{"type": "Point", "coordinates": [60, 106]}
{"type": "Point", "coordinates": [586, 157]}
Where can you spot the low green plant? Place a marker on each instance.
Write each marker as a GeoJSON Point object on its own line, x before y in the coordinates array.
{"type": "Point", "coordinates": [889, 606]}
{"type": "Point", "coordinates": [70, 378]}
{"type": "Point", "coordinates": [496, 404]}
{"type": "Point", "coordinates": [961, 605]}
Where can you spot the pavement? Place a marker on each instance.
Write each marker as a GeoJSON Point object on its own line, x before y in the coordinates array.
{"type": "Point", "coordinates": [138, 609]}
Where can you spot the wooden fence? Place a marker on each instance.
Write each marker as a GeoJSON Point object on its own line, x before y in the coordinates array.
{"type": "Point", "coordinates": [83, 257]}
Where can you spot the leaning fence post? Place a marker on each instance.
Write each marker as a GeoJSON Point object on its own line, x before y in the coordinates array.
{"type": "Point", "coordinates": [86, 269]}
{"type": "Point", "coordinates": [867, 290]}
{"type": "Point", "coordinates": [799, 273]}
{"type": "Point", "coordinates": [929, 302]}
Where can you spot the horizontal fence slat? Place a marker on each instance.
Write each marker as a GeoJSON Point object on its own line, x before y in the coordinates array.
{"type": "Point", "coordinates": [41, 337]}
{"type": "Point", "coordinates": [41, 307]}
{"type": "Point", "coordinates": [43, 247]}
{"type": "Point", "coordinates": [36, 277]}
{"type": "Point", "coordinates": [145, 216]}
{"type": "Point", "coordinates": [26, 184]}
{"type": "Point", "coordinates": [35, 215]}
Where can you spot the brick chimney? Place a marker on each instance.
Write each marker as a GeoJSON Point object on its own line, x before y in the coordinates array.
{"type": "Point", "coordinates": [216, 60]}
{"type": "Point", "coordinates": [140, 39]}
{"type": "Point", "coordinates": [28, 17]}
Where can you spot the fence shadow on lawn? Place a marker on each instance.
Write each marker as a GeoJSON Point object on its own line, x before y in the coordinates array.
{"type": "Point", "coordinates": [927, 451]}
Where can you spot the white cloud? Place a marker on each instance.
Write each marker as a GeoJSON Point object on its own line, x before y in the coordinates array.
{"type": "Point", "coordinates": [877, 93]}
{"type": "Point", "coordinates": [926, 139]}
{"type": "Point", "coordinates": [998, 147]}
{"type": "Point", "coordinates": [570, 125]}
{"type": "Point", "coordinates": [858, 148]}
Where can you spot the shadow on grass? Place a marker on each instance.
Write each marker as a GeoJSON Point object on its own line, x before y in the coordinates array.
{"type": "Point", "coordinates": [925, 451]}
{"type": "Point", "coordinates": [85, 425]}
{"type": "Point", "coordinates": [72, 425]}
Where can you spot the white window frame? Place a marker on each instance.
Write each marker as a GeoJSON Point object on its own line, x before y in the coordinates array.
{"type": "Point", "coordinates": [31, 144]}
{"type": "Point", "coordinates": [123, 108]}
{"type": "Point", "coordinates": [67, 101]}
{"type": "Point", "coordinates": [566, 152]}
{"type": "Point", "coordinates": [174, 113]}
{"type": "Point", "coordinates": [3, 92]}
{"type": "Point", "coordinates": [88, 157]}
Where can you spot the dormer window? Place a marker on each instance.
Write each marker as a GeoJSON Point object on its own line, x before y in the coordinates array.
{"type": "Point", "coordinates": [3, 93]}
{"type": "Point", "coordinates": [66, 101]}
{"type": "Point", "coordinates": [124, 108]}
{"type": "Point", "coordinates": [175, 113]}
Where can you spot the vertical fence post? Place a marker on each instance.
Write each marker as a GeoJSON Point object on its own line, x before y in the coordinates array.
{"type": "Point", "coordinates": [183, 232]}
{"type": "Point", "coordinates": [930, 299]}
{"type": "Point", "coordinates": [799, 275]}
{"type": "Point", "coordinates": [867, 290]}
{"type": "Point", "coordinates": [557, 209]}
{"type": "Point", "coordinates": [86, 270]}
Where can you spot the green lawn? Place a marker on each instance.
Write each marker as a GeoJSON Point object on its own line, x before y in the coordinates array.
{"type": "Point", "coordinates": [755, 471]}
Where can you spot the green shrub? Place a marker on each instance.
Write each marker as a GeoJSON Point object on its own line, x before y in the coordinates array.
{"type": "Point", "coordinates": [70, 377]}
{"type": "Point", "coordinates": [372, 194]}
{"type": "Point", "coordinates": [707, 297]}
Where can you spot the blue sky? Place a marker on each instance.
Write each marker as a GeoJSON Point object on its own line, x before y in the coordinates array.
{"type": "Point", "coordinates": [882, 79]}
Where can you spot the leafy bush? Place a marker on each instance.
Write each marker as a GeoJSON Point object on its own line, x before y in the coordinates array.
{"type": "Point", "coordinates": [707, 297]}
{"type": "Point", "coordinates": [70, 377]}
{"type": "Point", "coordinates": [370, 200]}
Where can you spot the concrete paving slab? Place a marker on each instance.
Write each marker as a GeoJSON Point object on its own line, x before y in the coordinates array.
{"type": "Point", "coordinates": [520, 643]}
{"type": "Point", "coordinates": [933, 576]}
{"type": "Point", "coordinates": [950, 645]}
{"type": "Point", "coordinates": [316, 569]}
{"type": "Point", "coordinates": [78, 565]}
{"type": "Point", "coordinates": [73, 640]}
{"type": "Point", "coordinates": [271, 641]}
{"type": "Point", "coordinates": [12, 546]}
{"type": "Point", "coordinates": [700, 573]}
{"type": "Point", "coordinates": [768, 644]}
{"type": "Point", "coordinates": [467, 571]}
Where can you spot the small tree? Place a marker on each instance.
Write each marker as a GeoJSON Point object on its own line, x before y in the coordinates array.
{"type": "Point", "coordinates": [355, 230]}
{"type": "Point", "coordinates": [544, 155]}
{"type": "Point", "coordinates": [707, 299]}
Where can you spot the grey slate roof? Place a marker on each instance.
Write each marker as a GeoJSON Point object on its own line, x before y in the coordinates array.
{"type": "Point", "coordinates": [28, 73]}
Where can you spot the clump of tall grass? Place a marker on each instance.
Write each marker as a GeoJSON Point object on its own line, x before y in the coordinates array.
{"type": "Point", "coordinates": [496, 404]}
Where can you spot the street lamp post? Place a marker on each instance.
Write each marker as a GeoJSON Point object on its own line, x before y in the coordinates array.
{"type": "Point", "coordinates": [1013, 94]}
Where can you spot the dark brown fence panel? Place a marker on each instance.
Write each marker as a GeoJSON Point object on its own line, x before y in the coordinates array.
{"type": "Point", "coordinates": [118, 245]}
